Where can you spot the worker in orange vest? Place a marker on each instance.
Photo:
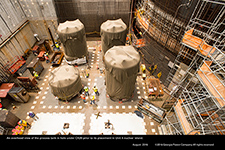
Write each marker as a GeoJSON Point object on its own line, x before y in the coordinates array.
{"type": "Point", "coordinates": [82, 96]}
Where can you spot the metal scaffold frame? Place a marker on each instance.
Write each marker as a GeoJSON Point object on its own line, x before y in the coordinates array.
{"type": "Point", "coordinates": [198, 85]}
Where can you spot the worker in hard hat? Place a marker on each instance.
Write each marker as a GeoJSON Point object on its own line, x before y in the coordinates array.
{"type": "Point", "coordinates": [92, 99]}
{"type": "Point", "coordinates": [143, 68]}
{"type": "Point", "coordinates": [46, 57]}
{"type": "Point", "coordinates": [24, 123]}
{"type": "Point", "coordinates": [35, 74]}
{"type": "Point", "coordinates": [82, 96]}
{"type": "Point", "coordinates": [159, 74]}
{"type": "Point", "coordinates": [33, 115]}
{"type": "Point", "coordinates": [96, 90]}
{"type": "Point", "coordinates": [86, 89]}
{"type": "Point", "coordinates": [57, 46]}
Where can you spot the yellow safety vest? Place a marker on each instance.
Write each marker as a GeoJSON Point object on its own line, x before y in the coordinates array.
{"type": "Point", "coordinates": [56, 45]}
{"type": "Point", "coordinates": [35, 74]}
{"type": "Point", "coordinates": [86, 90]}
{"type": "Point", "coordinates": [143, 68]}
{"type": "Point", "coordinates": [95, 89]}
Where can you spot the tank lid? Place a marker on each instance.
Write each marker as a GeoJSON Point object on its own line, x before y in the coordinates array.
{"type": "Point", "coordinates": [70, 26]}
{"type": "Point", "coordinates": [63, 76]}
{"type": "Point", "coordinates": [122, 57]}
{"type": "Point", "coordinates": [114, 26]}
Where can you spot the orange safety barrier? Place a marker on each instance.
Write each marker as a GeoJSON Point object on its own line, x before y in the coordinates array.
{"type": "Point", "coordinates": [207, 76]}
{"type": "Point", "coordinates": [197, 43]}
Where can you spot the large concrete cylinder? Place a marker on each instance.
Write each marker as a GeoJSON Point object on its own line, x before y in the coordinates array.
{"type": "Point", "coordinates": [72, 35]}
{"type": "Point", "coordinates": [65, 82]}
{"type": "Point", "coordinates": [122, 67]}
{"type": "Point", "coordinates": [113, 33]}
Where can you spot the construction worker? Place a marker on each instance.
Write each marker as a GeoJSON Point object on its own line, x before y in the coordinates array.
{"type": "Point", "coordinates": [24, 123]}
{"type": "Point", "coordinates": [108, 124]}
{"type": "Point", "coordinates": [46, 53]}
{"type": "Point", "coordinates": [155, 67]}
{"type": "Point", "coordinates": [57, 46]}
{"type": "Point", "coordinates": [150, 69]}
{"type": "Point", "coordinates": [92, 99]}
{"type": "Point", "coordinates": [82, 96]}
{"type": "Point", "coordinates": [159, 74]}
{"type": "Point", "coordinates": [86, 91]}
{"type": "Point", "coordinates": [36, 76]}
{"type": "Point", "coordinates": [33, 115]}
{"type": "Point", "coordinates": [46, 57]}
{"type": "Point", "coordinates": [96, 90]}
{"type": "Point", "coordinates": [87, 74]}
{"type": "Point", "coordinates": [143, 68]}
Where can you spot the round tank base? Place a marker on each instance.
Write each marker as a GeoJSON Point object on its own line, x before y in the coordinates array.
{"type": "Point", "coordinates": [123, 99]}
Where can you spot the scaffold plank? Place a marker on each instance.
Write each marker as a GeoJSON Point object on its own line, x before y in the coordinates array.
{"type": "Point", "coordinates": [181, 116]}
{"type": "Point", "coordinates": [212, 82]}
{"type": "Point", "coordinates": [197, 43]}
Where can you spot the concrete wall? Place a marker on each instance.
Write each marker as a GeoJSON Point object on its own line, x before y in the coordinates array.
{"type": "Point", "coordinates": [92, 13]}
{"type": "Point", "coordinates": [14, 14]}
{"type": "Point", "coordinates": [19, 20]}
{"type": "Point", "coordinates": [16, 46]}
{"type": "Point", "coordinates": [11, 17]}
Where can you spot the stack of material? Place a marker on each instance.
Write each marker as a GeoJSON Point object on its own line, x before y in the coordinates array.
{"type": "Point", "coordinates": [8, 119]}
{"type": "Point", "coordinates": [72, 35]}
{"type": "Point", "coordinates": [122, 67]}
{"type": "Point", "coordinates": [65, 82]}
{"type": "Point", "coordinates": [113, 33]}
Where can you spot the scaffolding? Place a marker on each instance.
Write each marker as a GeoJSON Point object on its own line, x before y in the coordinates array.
{"type": "Point", "coordinates": [197, 78]}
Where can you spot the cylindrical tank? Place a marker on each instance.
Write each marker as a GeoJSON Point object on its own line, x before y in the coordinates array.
{"type": "Point", "coordinates": [122, 66]}
{"type": "Point", "coordinates": [113, 33]}
{"type": "Point", "coordinates": [72, 35]}
{"type": "Point", "coordinates": [65, 82]}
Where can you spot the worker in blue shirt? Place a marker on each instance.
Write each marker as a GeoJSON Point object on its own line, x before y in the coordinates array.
{"type": "Point", "coordinates": [33, 115]}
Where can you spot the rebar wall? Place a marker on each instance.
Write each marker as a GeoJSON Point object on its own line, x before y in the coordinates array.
{"type": "Point", "coordinates": [165, 21]}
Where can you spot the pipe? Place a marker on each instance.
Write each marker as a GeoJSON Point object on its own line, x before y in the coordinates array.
{"type": "Point", "coordinates": [53, 41]}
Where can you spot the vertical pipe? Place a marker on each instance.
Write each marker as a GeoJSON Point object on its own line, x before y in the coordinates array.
{"type": "Point", "coordinates": [53, 41]}
{"type": "Point", "coordinates": [131, 14]}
